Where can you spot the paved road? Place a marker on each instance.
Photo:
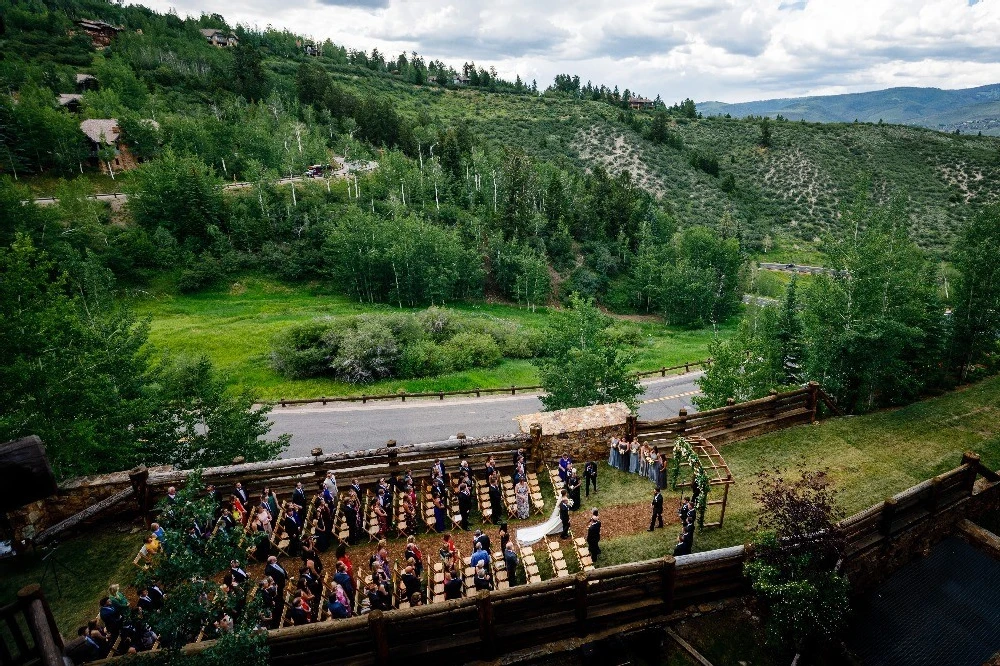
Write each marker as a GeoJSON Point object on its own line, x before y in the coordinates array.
{"type": "Point", "coordinates": [352, 426]}
{"type": "Point", "coordinates": [797, 268]}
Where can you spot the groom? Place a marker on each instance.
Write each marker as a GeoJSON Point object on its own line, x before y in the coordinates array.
{"type": "Point", "coordinates": [564, 506]}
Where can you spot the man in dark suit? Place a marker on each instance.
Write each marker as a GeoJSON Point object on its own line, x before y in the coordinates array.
{"type": "Point", "coordinates": [682, 547]}
{"type": "Point", "coordinates": [299, 496]}
{"type": "Point", "coordinates": [483, 539]}
{"type": "Point", "coordinates": [453, 588]}
{"type": "Point", "coordinates": [510, 562]}
{"type": "Point", "coordinates": [590, 474]}
{"type": "Point", "coordinates": [344, 580]}
{"type": "Point", "coordinates": [464, 505]}
{"type": "Point", "coordinates": [657, 508]}
{"type": "Point", "coordinates": [298, 614]}
{"type": "Point", "coordinates": [564, 507]}
{"type": "Point", "coordinates": [242, 495]}
{"type": "Point", "coordinates": [237, 572]}
{"type": "Point", "coordinates": [110, 616]}
{"type": "Point", "coordinates": [594, 535]}
{"type": "Point", "coordinates": [276, 572]}
{"type": "Point", "coordinates": [496, 502]}
{"type": "Point", "coordinates": [157, 595]}
{"type": "Point", "coordinates": [410, 581]}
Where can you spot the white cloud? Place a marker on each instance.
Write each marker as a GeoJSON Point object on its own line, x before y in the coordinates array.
{"type": "Point", "coordinates": [731, 50]}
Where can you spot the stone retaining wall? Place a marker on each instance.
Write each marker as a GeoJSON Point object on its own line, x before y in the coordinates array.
{"type": "Point", "coordinates": [582, 432]}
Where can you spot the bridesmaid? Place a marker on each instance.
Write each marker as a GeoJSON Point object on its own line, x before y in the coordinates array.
{"type": "Point", "coordinates": [633, 465]}
{"type": "Point", "coordinates": [613, 455]}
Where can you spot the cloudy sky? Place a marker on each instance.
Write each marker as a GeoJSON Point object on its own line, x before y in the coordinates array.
{"type": "Point", "coordinates": [727, 50]}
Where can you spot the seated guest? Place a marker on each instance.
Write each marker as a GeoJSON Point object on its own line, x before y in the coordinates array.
{"type": "Point", "coordinates": [453, 588]}
{"type": "Point", "coordinates": [110, 616]}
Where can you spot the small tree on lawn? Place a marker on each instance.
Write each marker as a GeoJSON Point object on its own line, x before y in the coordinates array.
{"type": "Point", "coordinates": [794, 559]}
{"type": "Point", "coordinates": [585, 366]}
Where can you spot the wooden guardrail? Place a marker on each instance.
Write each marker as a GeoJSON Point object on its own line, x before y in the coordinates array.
{"type": "Point", "coordinates": [29, 635]}
{"type": "Point", "coordinates": [735, 421]}
{"type": "Point", "coordinates": [478, 392]}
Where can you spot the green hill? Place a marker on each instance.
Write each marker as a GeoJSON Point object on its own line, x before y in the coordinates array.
{"type": "Point", "coordinates": [969, 110]}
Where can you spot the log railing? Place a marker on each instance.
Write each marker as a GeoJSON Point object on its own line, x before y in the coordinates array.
{"type": "Point", "coordinates": [478, 392]}
{"type": "Point", "coordinates": [735, 421]}
{"type": "Point", "coordinates": [28, 634]}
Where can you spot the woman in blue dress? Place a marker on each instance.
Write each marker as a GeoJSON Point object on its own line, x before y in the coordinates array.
{"type": "Point", "coordinates": [440, 515]}
{"type": "Point", "coordinates": [633, 465]}
{"type": "Point", "coordinates": [613, 455]}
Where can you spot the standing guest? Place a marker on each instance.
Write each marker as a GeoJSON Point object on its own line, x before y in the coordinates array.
{"type": "Point", "coordinates": [310, 551]}
{"type": "Point", "coordinates": [594, 535]}
{"type": "Point", "coordinates": [300, 612]}
{"type": "Point", "coordinates": [684, 510]}
{"type": "Point", "coordinates": [413, 552]}
{"type": "Point", "coordinates": [171, 495]}
{"type": "Point", "coordinates": [681, 548]}
{"type": "Point", "coordinates": [299, 496]}
{"type": "Point", "coordinates": [504, 538]}
{"type": "Point", "coordinates": [564, 506]}
{"type": "Point", "coordinates": [590, 476]}
{"type": "Point", "coordinates": [351, 517]}
{"type": "Point", "coordinates": [356, 487]}
{"type": "Point", "coordinates": [335, 605]}
{"type": "Point", "coordinates": [453, 588]}
{"type": "Point", "coordinates": [483, 579]}
{"type": "Point", "coordinates": [440, 514]}
{"type": "Point", "coordinates": [447, 547]}
{"type": "Point", "coordinates": [522, 499]}
{"type": "Point", "coordinates": [241, 494]}
{"type": "Point", "coordinates": [496, 500]}
{"type": "Point", "coordinates": [383, 520]}
{"type": "Point", "coordinates": [292, 528]}
{"type": "Point", "coordinates": [276, 572]}
{"type": "Point", "coordinates": [330, 484]}
{"type": "Point", "coordinates": [464, 504]}
{"type": "Point", "coordinates": [344, 580]}
{"type": "Point", "coordinates": [438, 468]}
{"type": "Point", "coordinates": [689, 532]}
{"type": "Point", "coordinates": [410, 582]}
{"type": "Point", "coordinates": [510, 563]}
{"type": "Point", "coordinates": [324, 526]}
{"type": "Point", "coordinates": [564, 462]}
{"type": "Point", "coordinates": [272, 502]}
{"type": "Point", "coordinates": [118, 599]}
{"type": "Point", "coordinates": [110, 616]}
{"type": "Point", "coordinates": [573, 485]}
{"type": "Point", "coordinates": [657, 509]}
{"type": "Point", "coordinates": [157, 595]}
{"type": "Point", "coordinates": [157, 531]}
{"type": "Point", "coordinates": [343, 558]}
{"type": "Point", "coordinates": [481, 538]}
{"type": "Point", "coordinates": [239, 575]}
{"type": "Point", "coordinates": [480, 557]}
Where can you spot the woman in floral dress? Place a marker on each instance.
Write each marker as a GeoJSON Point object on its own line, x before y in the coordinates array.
{"type": "Point", "coordinates": [523, 498]}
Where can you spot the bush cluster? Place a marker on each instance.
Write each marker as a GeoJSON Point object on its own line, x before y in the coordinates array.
{"type": "Point", "coordinates": [370, 347]}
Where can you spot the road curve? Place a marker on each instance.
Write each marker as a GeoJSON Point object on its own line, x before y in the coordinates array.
{"type": "Point", "coordinates": [352, 426]}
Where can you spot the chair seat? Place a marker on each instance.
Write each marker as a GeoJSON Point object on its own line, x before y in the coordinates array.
{"type": "Point", "coordinates": [586, 561]}
{"type": "Point", "coordinates": [553, 546]}
{"type": "Point", "coordinates": [579, 541]}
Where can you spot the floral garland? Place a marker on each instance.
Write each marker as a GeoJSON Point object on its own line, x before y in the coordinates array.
{"type": "Point", "coordinates": [685, 453]}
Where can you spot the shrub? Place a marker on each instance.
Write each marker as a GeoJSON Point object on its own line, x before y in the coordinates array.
{"type": "Point", "coordinates": [438, 322]}
{"type": "Point", "coordinates": [424, 358]}
{"type": "Point", "coordinates": [473, 350]}
{"type": "Point", "coordinates": [624, 334]}
{"type": "Point", "coordinates": [303, 350]}
{"type": "Point", "coordinates": [366, 353]}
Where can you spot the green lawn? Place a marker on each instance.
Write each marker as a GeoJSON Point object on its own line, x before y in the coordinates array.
{"type": "Point", "coordinates": [869, 458]}
{"type": "Point", "coordinates": [235, 326]}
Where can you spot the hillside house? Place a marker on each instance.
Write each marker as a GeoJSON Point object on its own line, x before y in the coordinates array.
{"type": "Point", "coordinates": [219, 38]}
{"type": "Point", "coordinates": [103, 132]}
{"type": "Point", "coordinates": [309, 48]}
{"type": "Point", "coordinates": [640, 103]}
{"type": "Point", "coordinates": [461, 80]}
{"type": "Point", "coordinates": [71, 102]}
{"type": "Point", "coordinates": [86, 82]}
{"type": "Point", "coordinates": [101, 34]}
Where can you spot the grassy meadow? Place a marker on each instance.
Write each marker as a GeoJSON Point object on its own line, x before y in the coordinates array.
{"type": "Point", "coordinates": [234, 327]}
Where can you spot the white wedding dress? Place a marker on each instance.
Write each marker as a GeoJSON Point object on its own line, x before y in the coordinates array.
{"type": "Point", "coordinates": [527, 536]}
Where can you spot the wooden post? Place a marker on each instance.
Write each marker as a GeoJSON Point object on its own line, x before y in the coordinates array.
{"type": "Point", "coordinates": [663, 371]}
{"type": "Point", "coordinates": [364, 398]}
{"type": "Point", "coordinates": [536, 446]}
{"type": "Point", "coordinates": [402, 395]}
{"type": "Point", "coordinates": [631, 428]}
{"type": "Point", "coordinates": [138, 477]}
{"type": "Point", "coordinates": [376, 623]}
{"type": "Point", "coordinates": [682, 414]}
{"type": "Point", "coordinates": [888, 513]}
{"type": "Point", "coordinates": [935, 495]}
{"type": "Point", "coordinates": [487, 635]}
{"type": "Point", "coordinates": [971, 459]}
{"type": "Point", "coordinates": [668, 575]}
{"type": "Point", "coordinates": [513, 390]}
{"type": "Point", "coordinates": [440, 395]}
{"type": "Point", "coordinates": [813, 400]}
{"type": "Point", "coordinates": [725, 499]}
{"type": "Point", "coordinates": [580, 605]}
{"type": "Point", "coordinates": [391, 445]}
{"type": "Point", "coordinates": [774, 403]}
{"type": "Point", "coordinates": [40, 622]}
{"type": "Point", "coordinates": [323, 398]}
{"type": "Point", "coordinates": [730, 414]}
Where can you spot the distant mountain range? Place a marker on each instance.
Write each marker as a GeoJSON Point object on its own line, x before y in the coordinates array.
{"type": "Point", "coordinates": [970, 110]}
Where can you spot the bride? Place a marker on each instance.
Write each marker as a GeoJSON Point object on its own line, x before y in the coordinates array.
{"type": "Point", "coordinates": [527, 536]}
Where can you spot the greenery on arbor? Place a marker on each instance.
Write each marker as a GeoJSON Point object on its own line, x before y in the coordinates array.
{"type": "Point", "coordinates": [587, 364]}
{"type": "Point", "coordinates": [75, 370]}
{"type": "Point", "coordinates": [684, 454]}
{"type": "Point", "coordinates": [794, 556]}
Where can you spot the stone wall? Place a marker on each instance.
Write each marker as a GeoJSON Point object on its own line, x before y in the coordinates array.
{"type": "Point", "coordinates": [581, 432]}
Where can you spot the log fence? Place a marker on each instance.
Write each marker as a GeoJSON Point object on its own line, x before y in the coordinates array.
{"type": "Point", "coordinates": [28, 634]}
{"type": "Point", "coordinates": [478, 392]}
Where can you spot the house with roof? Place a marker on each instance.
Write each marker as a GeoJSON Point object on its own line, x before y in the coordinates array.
{"type": "Point", "coordinates": [101, 34]}
{"type": "Point", "coordinates": [640, 103]}
{"type": "Point", "coordinates": [219, 38]}
{"type": "Point", "coordinates": [104, 133]}
{"type": "Point", "coordinates": [86, 82]}
{"type": "Point", "coordinates": [71, 102]}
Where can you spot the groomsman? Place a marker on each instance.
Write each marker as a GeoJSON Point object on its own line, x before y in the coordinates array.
{"type": "Point", "coordinates": [657, 508]}
{"type": "Point", "coordinates": [594, 535]}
